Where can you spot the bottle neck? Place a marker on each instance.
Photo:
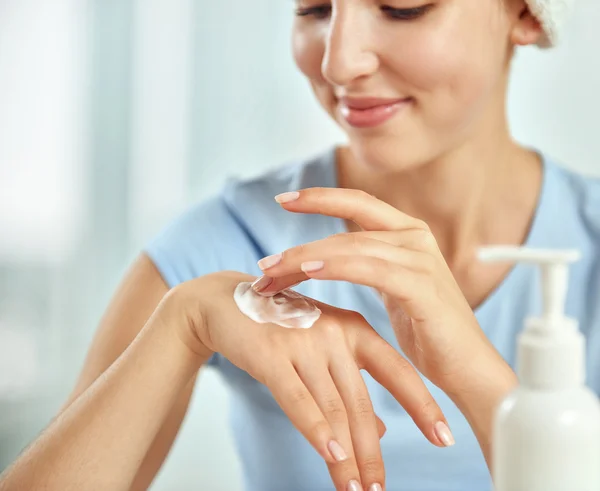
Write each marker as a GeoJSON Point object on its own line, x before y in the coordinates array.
{"type": "Point", "coordinates": [551, 357]}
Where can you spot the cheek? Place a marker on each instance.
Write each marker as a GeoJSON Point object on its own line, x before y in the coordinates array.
{"type": "Point", "coordinates": [453, 72]}
{"type": "Point", "coordinates": [308, 49]}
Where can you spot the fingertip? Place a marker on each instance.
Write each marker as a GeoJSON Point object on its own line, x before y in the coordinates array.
{"type": "Point", "coordinates": [444, 436]}
{"type": "Point", "coordinates": [261, 284]}
{"type": "Point", "coordinates": [433, 424]}
{"type": "Point", "coordinates": [288, 197]}
{"type": "Point", "coordinates": [336, 451]}
{"type": "Point", "coordinates": [381, 428]}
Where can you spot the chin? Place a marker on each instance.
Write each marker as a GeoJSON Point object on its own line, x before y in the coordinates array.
{"type": "Point", "coordinates": [398, 145]}
{"type": "Point", "coordinates": [388, 153]}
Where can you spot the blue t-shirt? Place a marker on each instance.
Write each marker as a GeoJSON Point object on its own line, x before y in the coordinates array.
{"type": "Point", "coordinates": [243, 224]}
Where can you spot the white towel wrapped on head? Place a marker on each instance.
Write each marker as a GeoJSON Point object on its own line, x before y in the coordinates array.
{"type": "Point", "coordinates": [551, 14]}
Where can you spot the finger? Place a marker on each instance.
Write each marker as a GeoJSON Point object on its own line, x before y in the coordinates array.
{"type": "Point", "coordinates": [416, 239]}
{"type": "Point", "coordinates": [381, 428]}
{"type": "Point", "coordinates": [404, 284]}
{"type": "Point", "coordinates": [319, 382]}
{"type": "Point", "coordinates": [269, 286]}
{"type": "Point", "coordinates": [401, 379]}
{"type": "Point", "coordinates": [280, 270]}
{"type": "Point", "coordinates": [296, 401]}
{"type": "Point", "coordinates": [362, 420]}
{"type": "Point", "coordinates": [365, 210]}
{"type": "Point", "coordinates": [288, 263]}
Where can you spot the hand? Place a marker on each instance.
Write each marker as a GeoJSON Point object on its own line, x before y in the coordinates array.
{"type": "Point", "coordinates": [313, 374]}
{"type": "Point", "coordinates": [397, 255]}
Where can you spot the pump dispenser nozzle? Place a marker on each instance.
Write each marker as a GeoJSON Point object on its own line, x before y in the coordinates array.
{"type": "Point", "coordinates": [550, 352]}
{"type": "Point", "coordinates": [554, 269]}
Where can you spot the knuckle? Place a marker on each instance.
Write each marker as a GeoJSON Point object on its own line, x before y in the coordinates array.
{"type": "Point", "coordinates": [333, 329]}
{"type": "Point", "coordinates": [402, 368]}
{"type": "Point", "coordinates": [334, 409]}
{"type": "Point", "coordinates": [371, 465]}
{"type": "Point", "coordinates": [298, 395]}
{"type": "Point", "coordinates": [423, 236]}
{"type": "Point", "coordinates": [295, 252]}
{"type": "Point", "coordinates": [363, 409]}
{"type": "Point", "coordinates": [429, 407]}
{"type": "Point", "coordinates": [360, 194]}
{"type": "Point", "coordinates": [422, 225]}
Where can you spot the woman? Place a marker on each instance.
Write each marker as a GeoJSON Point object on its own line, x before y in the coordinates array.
{"type": "Point", "coordinates": [430, 174]}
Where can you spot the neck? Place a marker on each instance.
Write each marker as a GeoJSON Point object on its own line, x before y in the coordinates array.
{"type": "Point", "coordinates": [479, 194]}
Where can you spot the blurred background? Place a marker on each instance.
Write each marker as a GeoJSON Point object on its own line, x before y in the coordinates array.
{"type": "Point", "coordinates": [117, 114]}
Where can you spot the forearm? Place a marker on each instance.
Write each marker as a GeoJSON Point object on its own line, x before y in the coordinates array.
{"type": "Point", "coordinates": [99, 442]}
{"type": "Point", "coordinates": [161, 446]}
{"type": "Point", "coordinates": [479, 396]}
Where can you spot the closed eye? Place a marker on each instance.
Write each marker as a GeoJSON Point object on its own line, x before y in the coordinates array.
{"type": "Point", "coordinates": [406, 14]}
{"type": "Point", "coordinates": [318, 11]}
{"type": "Point", "coordinates": [324, 11]}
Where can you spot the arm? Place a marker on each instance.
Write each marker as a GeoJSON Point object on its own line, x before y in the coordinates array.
{"type": "Point", "coordinates": [100, 440]}
{"type": "Point", "coordinates": [133, 303]}
{"type": "Point", "coordinates": [398, 255]}
{"type": "Point", "coordinates": [478, 396]}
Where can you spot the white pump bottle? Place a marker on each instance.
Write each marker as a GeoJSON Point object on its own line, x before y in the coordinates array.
{"type": "Point", "coordinates": [546, 434]}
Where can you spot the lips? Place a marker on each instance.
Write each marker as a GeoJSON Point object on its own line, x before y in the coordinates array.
{"type": "Point", "coordinates": [369, 112]}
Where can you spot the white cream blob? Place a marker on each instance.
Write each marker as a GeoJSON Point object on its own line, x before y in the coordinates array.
{"type": "Point", "coordinates": [286, 309]}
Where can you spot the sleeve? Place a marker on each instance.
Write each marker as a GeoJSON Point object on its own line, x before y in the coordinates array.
{"type": "Point", "coordinates": [205, 239]}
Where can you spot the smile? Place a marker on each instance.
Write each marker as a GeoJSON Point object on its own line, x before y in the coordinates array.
{"type": "Point", "coordinates": [370, 112]}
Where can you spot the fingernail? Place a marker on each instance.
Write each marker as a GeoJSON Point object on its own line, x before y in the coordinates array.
{"type": "Point", "coordinates": [287, 197]}
{"type": "Point", "coordinates": [312, 266]}
{"type": "Point", "coordinates": [376, 487]}
{"type": "Point", "coordinates": [262, 283]}
{"type": "Point", "coordinates": [337, 452]}
{"type": "Point", "coordinates": [444, 434]}
{"type": "Point", "coordinates": [269, 261]}
{"type": "Point", "coordinates": [354, 486]}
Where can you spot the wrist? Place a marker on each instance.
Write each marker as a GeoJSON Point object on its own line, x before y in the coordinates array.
{"type": "Point", "coordinates": [486, 381]}
{"type": "Point", "coordinates": [182, 314]}
{"type": "Point", "coordinates": [479, 396]}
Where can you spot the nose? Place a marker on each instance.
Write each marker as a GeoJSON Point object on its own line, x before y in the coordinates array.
{"type": "Point", "coordinates": [349, 54]}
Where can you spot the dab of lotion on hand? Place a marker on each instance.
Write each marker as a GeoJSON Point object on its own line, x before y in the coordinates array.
{"type": "Point", "coordinates": [286, 309]}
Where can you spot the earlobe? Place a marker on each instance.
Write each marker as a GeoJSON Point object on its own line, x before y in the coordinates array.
{"type": "Point", "coordinates": [527, 30]}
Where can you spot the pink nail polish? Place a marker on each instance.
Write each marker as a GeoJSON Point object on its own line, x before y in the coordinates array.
{"type": "Point", "coordinates": [270, 261]}
{"type": "Point", "coordinates": [376, 487]}
{"type": "Point", "coordinates": [354, 486]}
{"type": "Point", "coordinates": [337, 452]}
{"type": "Point", "coordinates": [287, 197]}
{"type": "Point", "coordinates": [312, 266]}
{"type": "Point", "coordinates": [260, 284]}
{"type": "Point", "coordinates": [444, 434]}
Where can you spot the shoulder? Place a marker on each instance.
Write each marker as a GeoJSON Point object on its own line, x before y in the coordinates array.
{"type": "Point", "coordinates": [234, 228]}
{"type": "Point", "coordinates": [572, 221]}
{"type": "Point", "coordinates": [577, 197]}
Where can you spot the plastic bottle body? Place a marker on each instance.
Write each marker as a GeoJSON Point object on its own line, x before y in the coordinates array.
{"type": "Point", "coordinates": [547, 441]}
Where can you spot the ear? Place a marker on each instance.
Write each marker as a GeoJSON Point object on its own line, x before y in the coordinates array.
{"type": "Point", "coordinates": [527, 30]}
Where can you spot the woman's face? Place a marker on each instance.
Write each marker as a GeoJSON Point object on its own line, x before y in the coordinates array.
{"type": "Point", "coordinates": [408, 80]}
